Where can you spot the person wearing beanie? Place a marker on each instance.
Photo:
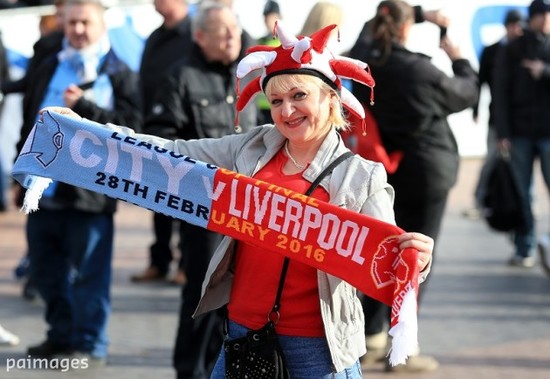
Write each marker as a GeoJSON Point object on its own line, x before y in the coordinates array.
{"type": "Point", "coordinates": [522, 96]}
{"type": "Point", "coordinates": [539, 7]}
{"type": "Point", "coordinates": [318, 319]}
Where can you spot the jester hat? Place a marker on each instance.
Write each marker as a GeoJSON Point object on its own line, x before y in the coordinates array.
{"type": "Point", "coordinates": [304, 55]}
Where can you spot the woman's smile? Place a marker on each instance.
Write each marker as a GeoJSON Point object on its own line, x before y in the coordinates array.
{"type": "Point", "coordinates": [295, 122]}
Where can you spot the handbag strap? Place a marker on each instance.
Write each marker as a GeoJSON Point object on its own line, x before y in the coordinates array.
{"type": "Point", "coordinates": [325, 172]}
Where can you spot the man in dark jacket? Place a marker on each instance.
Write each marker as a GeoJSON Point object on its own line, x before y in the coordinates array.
{"type": "Point", "coordinates": [522, 96]}
{"type": "Point", "coordinates": [197, 101]}
{"type": "Point", "coordinates": [70, 239]}
{"type": "Point", "coordinates": [166, 45]}
{"type": "Point", "coordinates": [513, 24]}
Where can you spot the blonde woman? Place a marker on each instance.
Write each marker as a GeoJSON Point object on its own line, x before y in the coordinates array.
{"type": "Point", "coordinates": [320, 324]}
{"type": "Point", "coordinates": [322, 14]}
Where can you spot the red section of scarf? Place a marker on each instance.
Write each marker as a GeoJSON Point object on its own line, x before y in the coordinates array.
{"type": "Point", "coordinates": [354, 247]}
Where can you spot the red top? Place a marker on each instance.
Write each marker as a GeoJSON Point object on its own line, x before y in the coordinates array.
{"type": "Point", "coordinates": [257, 274]}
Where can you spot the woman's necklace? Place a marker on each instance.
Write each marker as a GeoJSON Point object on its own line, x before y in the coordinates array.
{"type": "Point", "coordinates": [298, 166]}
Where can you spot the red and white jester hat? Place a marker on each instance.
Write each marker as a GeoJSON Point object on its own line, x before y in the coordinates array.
{"type": "Point", "coordinates": [304, 55]}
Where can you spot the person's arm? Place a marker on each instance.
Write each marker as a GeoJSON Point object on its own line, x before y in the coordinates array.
{"type": "Point", "coordinates": [501, 83]}
{"type": "Point", "coordinates": [456, 93]}
{"type": "Point", "coordinates": [435, 16]}
{"type": "Point", "coordinates": [14, 86]}
{"type": "Point", "coordinates": [484, 75]}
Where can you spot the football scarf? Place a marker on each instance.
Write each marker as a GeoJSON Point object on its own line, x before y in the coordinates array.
{"type": "Point", "coordinates": [356, 248]}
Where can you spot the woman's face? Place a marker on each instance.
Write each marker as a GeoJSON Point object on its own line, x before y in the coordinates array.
{"type": "Point", "coordinates": [301, 112]}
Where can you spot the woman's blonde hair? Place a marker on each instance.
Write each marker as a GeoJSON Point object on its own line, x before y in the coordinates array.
{"type": "Point", "coordinates": [322, 14]}
{"type": "Point", "coordinates": [285, 82]}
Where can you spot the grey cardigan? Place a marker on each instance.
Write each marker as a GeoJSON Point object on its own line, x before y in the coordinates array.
{"type": "Point", "coordinates": [356, 184]}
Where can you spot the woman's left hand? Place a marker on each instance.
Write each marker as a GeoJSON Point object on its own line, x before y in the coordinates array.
{"type": "Point", "coordinates": [422, 243]}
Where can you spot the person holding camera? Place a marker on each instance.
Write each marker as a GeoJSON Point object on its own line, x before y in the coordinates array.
{"type": "Point", "coordinates": [413, 100]}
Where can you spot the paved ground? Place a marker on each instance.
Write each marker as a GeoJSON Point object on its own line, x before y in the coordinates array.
{"type": "Point", "coordinates": [480, 318]}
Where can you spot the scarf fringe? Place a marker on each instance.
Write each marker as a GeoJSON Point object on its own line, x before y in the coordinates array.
{"type": "Point", "coordinates": [35, 187]}
{"type": "Point", "coordinates": [405, 333]}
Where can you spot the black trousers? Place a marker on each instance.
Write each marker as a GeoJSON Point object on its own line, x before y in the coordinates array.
{"type": "Point", "coordinates": [414, 214]}
{"type": "Point", "coordinates": [199, 340]}
{"type": "Point", "coordinates": [160, 251]}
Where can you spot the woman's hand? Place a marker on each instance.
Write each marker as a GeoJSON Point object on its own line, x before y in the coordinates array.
{"type": "Point", "coordinates": [437, 17]}
{"type": "Point", "coordinates": [61, 110]}
{"type": "Point", "coordinates": [422, 243]}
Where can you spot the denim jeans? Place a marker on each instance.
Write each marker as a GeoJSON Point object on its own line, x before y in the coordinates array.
{"type": "Point", "coordinates": [523, 154]}
{"type": "Point", "coordinates": [70, 253]}
{"type": "Point", "coordinates": [306, 357]}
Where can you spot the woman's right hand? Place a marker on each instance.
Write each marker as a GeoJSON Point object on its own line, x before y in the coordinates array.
{"type": "Point", "coordinates": [60, 110]}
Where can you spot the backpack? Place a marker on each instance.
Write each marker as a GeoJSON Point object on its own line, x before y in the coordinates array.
{"type": "Point", "coordinates": [503, 203]}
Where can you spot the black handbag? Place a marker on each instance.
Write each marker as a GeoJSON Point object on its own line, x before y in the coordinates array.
{"type": "Point", "coordinates": [503, 207]}
{"type": "Point", "coordinates": [259, 355]}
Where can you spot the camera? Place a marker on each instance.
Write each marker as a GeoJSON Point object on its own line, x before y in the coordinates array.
{"type": "Point", "coordinates": [442, 32]}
